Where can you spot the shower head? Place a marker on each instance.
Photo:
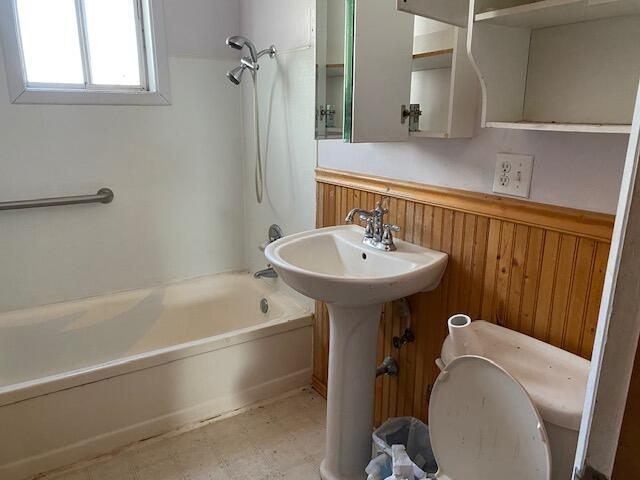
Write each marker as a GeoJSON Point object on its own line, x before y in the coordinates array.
{"type": "Point", "coordinates": [235, 75]}
{"type": "Point", "coordinates": [250, 63]}
{"type": "Point", "coordinates": [246, 63]}
{"type": "Point", "coordinates": [238, 42]}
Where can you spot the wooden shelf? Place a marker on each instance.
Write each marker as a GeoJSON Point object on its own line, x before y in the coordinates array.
{"type": "Point", "coordinates": [562, 127]}
{"type": "Point", "coordinates": [432, 60]}
{"type": "Point", "coordinates": [547, 13]}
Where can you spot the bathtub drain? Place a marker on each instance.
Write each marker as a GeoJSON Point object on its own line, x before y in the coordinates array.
{"type": "Point", "coordinates": [264, 305]}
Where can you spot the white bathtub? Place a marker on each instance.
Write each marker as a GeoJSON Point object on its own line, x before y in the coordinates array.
{"type": "Point", "coordinates": [79, 379]}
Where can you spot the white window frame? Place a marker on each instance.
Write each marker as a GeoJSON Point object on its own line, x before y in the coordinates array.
{"type": "Point", "coordinates": [154, 78]}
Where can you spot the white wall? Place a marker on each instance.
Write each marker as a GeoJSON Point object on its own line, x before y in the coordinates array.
{"type": "Point", "coordinates": [286, 104]}
{"type": "Point", "coordinates": [570, 169]}
{"type": "Point", "coordinates": [176, 172]}
{"type": "Point", "coordinates": [199, 28]}
{"type": "Point", "coordinates": [285, 23]}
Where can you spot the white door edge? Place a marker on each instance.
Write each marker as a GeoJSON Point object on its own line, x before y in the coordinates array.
{"type": "Point", "coordinates": [618, 327]}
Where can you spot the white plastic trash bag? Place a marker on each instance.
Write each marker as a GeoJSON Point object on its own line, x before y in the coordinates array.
{"type": "Point", "coordinates": [403, 468]}
{"type": "Point", "coordinates": [379, 468]}
{"type": "Point", "coordinates": [414, 435]}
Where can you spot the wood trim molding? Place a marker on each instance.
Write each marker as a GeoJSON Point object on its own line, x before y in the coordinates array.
{"type": "Point", "coordinates": [597, 226]}
{"type": "Point", "coordinates": [434, 53]}
{"type": "Point", "coordinates": [319, 386]}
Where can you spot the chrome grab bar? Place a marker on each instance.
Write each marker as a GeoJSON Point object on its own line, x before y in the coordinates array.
{"type": "Point", "coordinates": [104, 195]}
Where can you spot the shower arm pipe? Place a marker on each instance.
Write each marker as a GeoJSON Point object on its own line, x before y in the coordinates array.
{"type": "Point", "coordinates": [104, 195]}
{"type": "Point", "coordinates": [271, 51]}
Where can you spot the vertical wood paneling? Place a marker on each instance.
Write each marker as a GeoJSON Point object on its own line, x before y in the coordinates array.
{"type": "Point", "coordinates": [575, 323]}
{"type": "Point", "coordinates": [593, 303]}
{"type": "Point", "coordinates": [561, 290]}
{"type": "Point", "coordinates": [491, 268]}
{"type": "Point", "coordinates": [478, 263]}
{"type": "Point", "coordinates": [516, 283]}
{"type": "Point", "coordinates": [542, 317]}
{"type": "Point", "coordinates": [503, 275]}
{"type": "Point", "coordinates": [456, 262]}
{"type": "Point", "coordinates": [530, 278]}
{"type": "Point", "coordinates": [468, 244]}
{"type": "Point", "coordinates": [319, 365]}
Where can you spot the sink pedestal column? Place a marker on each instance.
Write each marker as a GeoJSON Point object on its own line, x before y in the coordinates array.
{"type": "Point", "coordinates": [351, 390]}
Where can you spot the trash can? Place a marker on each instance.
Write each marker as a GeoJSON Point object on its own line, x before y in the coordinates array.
{"type": "Point", "coordinates": [411, 433]}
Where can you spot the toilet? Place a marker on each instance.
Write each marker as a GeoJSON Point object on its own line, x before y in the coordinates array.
{"type": "Point", "coordinates": [484, 426]}
{"type": "Point", "coordinates": [554, 380]}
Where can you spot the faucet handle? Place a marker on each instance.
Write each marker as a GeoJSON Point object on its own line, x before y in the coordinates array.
{"type": "Point", "coordinates": [387, 236]}
{"type": "Point", "coordinates": [368, 230]}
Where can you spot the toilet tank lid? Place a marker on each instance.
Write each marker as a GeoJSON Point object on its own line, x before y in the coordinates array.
{"type": "Point", "coordinates": [555, 379]}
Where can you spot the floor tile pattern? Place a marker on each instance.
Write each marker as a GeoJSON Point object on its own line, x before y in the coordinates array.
{"type": "Point", "coordinates": [283, 440]}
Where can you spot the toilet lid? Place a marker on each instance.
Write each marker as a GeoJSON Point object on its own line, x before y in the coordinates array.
{"type": "Point", "coordinates": [484, 426]}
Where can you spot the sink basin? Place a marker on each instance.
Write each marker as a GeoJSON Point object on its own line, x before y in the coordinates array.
{"type": "Point", "coordinates": [354, 280]}
{"type": "Point", "coordinates": [334, 266]}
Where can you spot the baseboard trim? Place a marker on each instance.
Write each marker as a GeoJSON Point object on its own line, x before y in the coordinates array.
{"type": "Point", "coordinates": [319, 386]}
{"type": "Point", "coordinates": [117, 439]}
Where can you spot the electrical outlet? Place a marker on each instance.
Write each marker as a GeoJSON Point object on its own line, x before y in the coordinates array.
{"type": "Point", "coordinates": [513, 174]}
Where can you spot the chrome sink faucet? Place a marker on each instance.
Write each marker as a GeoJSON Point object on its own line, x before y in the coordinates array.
{"type": "Point", "coordinates": [377, 234]}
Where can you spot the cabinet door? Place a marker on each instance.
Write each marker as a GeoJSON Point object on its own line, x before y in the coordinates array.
{"type": "Point", "coordinates": [382, 56]}
{"type": "Point", "coordinates": [454, 12]}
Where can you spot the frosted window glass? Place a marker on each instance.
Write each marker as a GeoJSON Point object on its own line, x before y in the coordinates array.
{"type": "Point", "coordinates": [113, 42]}
{"type": "Point", "coordinates": [50, 43]}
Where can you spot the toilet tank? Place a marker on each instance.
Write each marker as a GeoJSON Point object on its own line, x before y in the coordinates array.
{"type": "Point", "coordinates": [555, 379]}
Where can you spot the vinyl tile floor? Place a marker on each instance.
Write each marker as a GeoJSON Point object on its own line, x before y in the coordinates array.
{"type": "Point", "coordinates": [283, 440]}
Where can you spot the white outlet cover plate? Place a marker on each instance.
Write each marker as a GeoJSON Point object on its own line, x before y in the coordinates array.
{"type": "Point", "coordinates": [513, 174]}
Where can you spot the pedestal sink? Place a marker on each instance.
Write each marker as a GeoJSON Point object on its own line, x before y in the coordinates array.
{"type": "Point", "coordinates": [354, 280]}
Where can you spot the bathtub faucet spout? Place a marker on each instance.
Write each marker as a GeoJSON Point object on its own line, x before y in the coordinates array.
{"type": "Point", "coordinates": [268, 272]}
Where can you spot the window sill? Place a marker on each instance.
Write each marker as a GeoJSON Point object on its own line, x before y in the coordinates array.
{"type": "Point", "coordinates": [90, 97]}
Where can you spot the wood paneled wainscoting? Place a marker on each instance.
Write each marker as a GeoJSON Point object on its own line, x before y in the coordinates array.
{"type": "Point", "coordinates": [537, 269]}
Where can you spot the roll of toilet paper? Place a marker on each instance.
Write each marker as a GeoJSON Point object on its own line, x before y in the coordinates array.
{"type": "Point", "coordinates": [463, 337]}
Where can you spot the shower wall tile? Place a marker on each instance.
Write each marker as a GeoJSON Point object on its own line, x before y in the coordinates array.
{"type": "Point", "coordinates": [177, 177]}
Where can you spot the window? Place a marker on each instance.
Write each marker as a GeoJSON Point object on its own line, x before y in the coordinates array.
{"type": "Point", "coordinates": [85, 51]}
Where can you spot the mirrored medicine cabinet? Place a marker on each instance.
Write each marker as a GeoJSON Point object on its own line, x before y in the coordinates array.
{"type": "Point", "coordinates": [387, 75]}
{"type": "Point", "coordinates": [330, 46]}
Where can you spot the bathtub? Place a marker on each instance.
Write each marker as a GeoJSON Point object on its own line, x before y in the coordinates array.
{"type": "Point", "coordinates": [82, 378]}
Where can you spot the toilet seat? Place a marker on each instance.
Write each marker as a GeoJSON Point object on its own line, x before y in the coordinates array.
{"type": "Point", "coordinates": [484, 426]}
